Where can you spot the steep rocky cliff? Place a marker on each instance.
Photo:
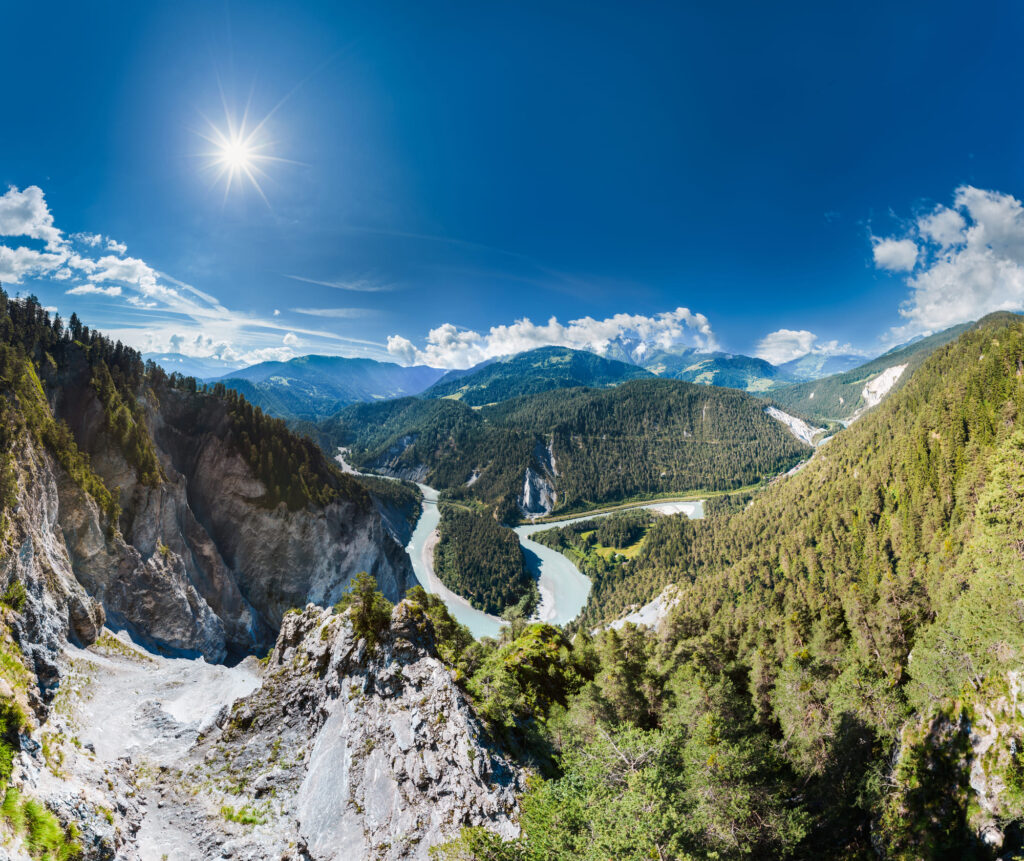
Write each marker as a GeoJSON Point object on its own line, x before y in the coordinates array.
{"type": "Point", "coordinates": [201, 564]}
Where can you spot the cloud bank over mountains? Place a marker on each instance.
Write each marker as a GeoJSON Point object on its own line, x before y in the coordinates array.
{"type": "Point", "coordinates": [448, 346]}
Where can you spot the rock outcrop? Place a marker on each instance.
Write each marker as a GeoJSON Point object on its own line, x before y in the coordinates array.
{"type": "Point", "coordinates": [539, 496]}
{"type": "Point", "coordinates": [345, 751]}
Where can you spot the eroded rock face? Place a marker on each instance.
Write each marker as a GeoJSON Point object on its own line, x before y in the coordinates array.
{"type": "Point", "coordinates": [347, 751]}
{"type": "Point", "coordinates": [198, 564]}
{"type": "Point", "coordinates": [539, 496]}
{"type": "Point", "coordinates": [55, 606]}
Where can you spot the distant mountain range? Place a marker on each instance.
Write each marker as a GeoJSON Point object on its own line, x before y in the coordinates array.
{"type": "Point", "coordinates": [813, 366]}
{"type": "Point", "coordinates": [844, 396]}
{"type": "Point", "coordinates": [312, 387]}
{"type": "Point", "coordinates": [200, 367]}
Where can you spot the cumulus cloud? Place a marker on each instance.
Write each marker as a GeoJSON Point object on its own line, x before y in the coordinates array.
{"type": "Point", "coordinates": [117, 247]}
{"type": "Point", "coordinates": [896, 255]}
{"type": "Point", "coordinates": [290, 339]}
{"type": "Point", "coordinates": [92, 289]}
{"type": "Point", "coordinates": [944, 226]}
{"type": "Point", "coordinates": [448, 346]}
{"type": "Point", "coordinates": [18, 263]}
{"type": "Point", "coordinates": [971, 262]}
{"type": "Point", "coordinates": [25, 213]}
{"type": "Point", "coordinates": [784, 345]}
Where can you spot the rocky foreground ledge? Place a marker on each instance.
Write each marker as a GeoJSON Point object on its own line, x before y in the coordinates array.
{"type": "Point", "coordinates": [338, 750]}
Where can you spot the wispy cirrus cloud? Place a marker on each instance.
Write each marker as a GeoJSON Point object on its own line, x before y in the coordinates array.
{"type": "Point", "coordinates": [335, 313]}
{"type": "Point", "coordinates": [356, 285]}
{"type": "Point", "coordinates": [92, 289]}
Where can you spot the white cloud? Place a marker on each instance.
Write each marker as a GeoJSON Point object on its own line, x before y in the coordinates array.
{"type": "Point", "coordinates": [896, 255]}
{"type": "Point", "coordinates": [448, 346]}
{"type": "Point", "coordinates": [150, 307]}
{"type": "Point", "coordinates": [85, 264]}
{"type": "Point", "coordinates": [290, 339]}
{"type": "Point", "coordinates": [93, 239]}
{"type": "Point", "coordinates": [784, 345]}
{"type": "Point", "coordinates": [25, 213]}
{"type": "Point", "coordinates": [128, 269]}
{"type": "Point", "coordinates": [97, 240]}
{"type": "Point", "coordinates": [18, 263]}
{"type": "Point", "coordinates": [972, 263]}
{"type": "Point", "coordinates": [92, 289]}
{"type": "Point", "coordinates": [944, 226]}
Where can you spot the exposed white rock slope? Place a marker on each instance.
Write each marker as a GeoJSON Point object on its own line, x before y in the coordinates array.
{"type": "Point", "coordinates": [798, 427]}
{"type": "Point", "coordinates": [651, 614]}
{"type": "Point", "coordinates": [877, 388]}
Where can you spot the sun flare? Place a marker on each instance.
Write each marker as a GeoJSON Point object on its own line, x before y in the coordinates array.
{"type": "Point", "coordinates": [239, 153]}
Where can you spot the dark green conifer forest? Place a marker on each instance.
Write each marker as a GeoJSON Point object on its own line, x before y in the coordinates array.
{"type": "Point", "coordinates": [639, 439]}
{"type": "Point", "coordinates": [482, 561]}
{"type": "Point", "coordinates": [837, 651]}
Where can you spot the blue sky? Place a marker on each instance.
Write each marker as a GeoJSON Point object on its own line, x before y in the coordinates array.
{"type": "Point", "coordinates": [797, 177]}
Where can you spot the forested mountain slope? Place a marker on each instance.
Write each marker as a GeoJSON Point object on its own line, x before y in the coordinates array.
{"type": "Point", "coordinates": [572, 448]}
{"type": "Point", "coordinates": [840, 674]}
{"type": "Point", "coordinates": [843, 397]}
{"type": "Point", "coordinates": [531, 372]}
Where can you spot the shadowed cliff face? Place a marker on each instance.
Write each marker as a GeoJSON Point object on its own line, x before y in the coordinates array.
{"type": "Point", "coordinates": [201, 564]}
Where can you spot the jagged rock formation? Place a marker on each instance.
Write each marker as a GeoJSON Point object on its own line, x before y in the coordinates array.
{"type": "Point", "coordinates": [345, 751]}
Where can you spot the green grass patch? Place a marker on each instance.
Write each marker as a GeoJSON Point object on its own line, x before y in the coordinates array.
{"type": "Point", "coordinates": [243, 815]}
{"type": "Point", "coordinates": [45, 838]}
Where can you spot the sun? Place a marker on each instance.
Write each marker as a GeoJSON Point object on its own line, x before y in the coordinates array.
{"type": "Point", "coordinates": [240, 153]}
{"type": "Point", "coordinates": [236, 156]}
